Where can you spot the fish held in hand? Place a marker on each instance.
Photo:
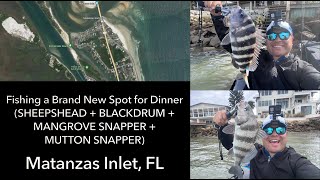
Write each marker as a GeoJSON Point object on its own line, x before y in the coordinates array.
{"type": "Point", "coordinates": [246, 41]}
{"type": "Point", "coordinates": [246, 132]}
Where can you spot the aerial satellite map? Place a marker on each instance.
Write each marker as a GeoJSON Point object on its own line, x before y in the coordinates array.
{"type": "Point", "coordinates": [94, 41]}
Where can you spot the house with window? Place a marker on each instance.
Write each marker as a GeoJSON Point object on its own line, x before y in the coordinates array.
{"type": "Point", "coordinates": [292, 102]}
{"type": "Point", "coordinates": [202, 113]}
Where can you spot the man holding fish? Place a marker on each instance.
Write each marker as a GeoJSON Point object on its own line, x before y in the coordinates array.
{"type": "Point", "coordinates": [272, 69]}
{"type": "Point", "coordinates": [268, 161]}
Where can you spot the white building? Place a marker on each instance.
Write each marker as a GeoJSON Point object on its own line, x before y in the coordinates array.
{"type": "Point", "coordinates": [202, 113]}
{"type": "Point", "coordinates": [292, 102]}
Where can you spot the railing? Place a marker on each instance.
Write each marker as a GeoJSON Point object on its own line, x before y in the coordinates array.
{"type": "Point", "coordinates": [306, 2]}
{"type": "Point", "coordinates": [198, 124]}
{"type": "Point", "coordinates": [203, 116]}
{"type": "Point", "coordinates": [305, 102]}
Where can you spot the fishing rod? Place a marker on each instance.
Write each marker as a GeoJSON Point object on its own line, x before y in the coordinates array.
{"type": "Point", "coordinates": [200, 6]}
{"type": "Point", "coordinates": [229, 115]}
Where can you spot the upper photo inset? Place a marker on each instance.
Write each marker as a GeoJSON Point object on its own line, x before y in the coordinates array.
{"type": "Point", "coordinates": [255, 45]}
{"type": "Point", "coordinates": [94, 41]}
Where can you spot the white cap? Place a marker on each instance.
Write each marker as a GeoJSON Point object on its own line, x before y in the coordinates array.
{"type": "Point", "coordinates": [268, 120]}
{"type": "Point", "coordinates": [281, 24]}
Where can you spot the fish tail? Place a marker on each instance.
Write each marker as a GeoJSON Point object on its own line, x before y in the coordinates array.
{"type": "Point", "coordinates": [236, 170]}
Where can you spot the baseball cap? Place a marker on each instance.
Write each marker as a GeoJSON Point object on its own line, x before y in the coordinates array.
{"type": "Point", "coordinates": [279, 24]}
{"type": "Point", "coordinates": [280, 121]}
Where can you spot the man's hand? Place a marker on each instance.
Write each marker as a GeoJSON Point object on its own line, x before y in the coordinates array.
{"type": "Point", "coordinates": [221, 118]}
{"type": "Point", "coordinates": [212, 5]}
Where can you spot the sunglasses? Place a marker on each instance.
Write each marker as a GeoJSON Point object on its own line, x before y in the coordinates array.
{"type": "Point", "coordinates": [282, 36]}
{"type": "Point", "coordinates": [279, 130]}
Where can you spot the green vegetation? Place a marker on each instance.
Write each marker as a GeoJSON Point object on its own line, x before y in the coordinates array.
{"type": "Point", "coordinates": [27, 61]}
{"type": "Point", "coordinates": [69, 75]}
{"type": "Point", "coordinates": [3, 16]}
{"type": "Point", "coordinates": [56, 65]}
{"type": "Point", "coordinates": [235, 97]}
{"type": "Point", "coordinates": [103, 52]}
{"type": "Point", "coordinates": [117, 54]}
{"type": "Point", "coordinates": [36, 39]}
{"type": "Point", "coordinates": [90, 71]}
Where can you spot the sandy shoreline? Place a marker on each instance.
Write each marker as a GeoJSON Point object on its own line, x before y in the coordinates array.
{"type": "Point", "coordinates": [129, 44]}
{"type": "Point", "coordinates": [90, 4]}
{"type": "Point", "coordinates": [21, 31]}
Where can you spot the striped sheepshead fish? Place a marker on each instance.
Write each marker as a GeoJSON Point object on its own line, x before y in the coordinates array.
{"type": "Point", "coordinates": [246, 133]}
{"type": "Point", "coordinates": [246, 41]}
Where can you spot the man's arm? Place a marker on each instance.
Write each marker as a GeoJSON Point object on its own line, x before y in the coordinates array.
{"type": "Point", "coordinates": [221, 119]}
{"type": "Point", "coordinates": [310, 77]}
{"type": "Point", "coordinates": [217, 19]}
{"type": "Point", "coordinates": [212, 5]}
{"type": "Point", "coordinates": [221, 30]}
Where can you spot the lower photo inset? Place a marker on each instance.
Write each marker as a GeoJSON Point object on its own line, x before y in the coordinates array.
{"type": "Point", "coordinates": [236, 134]}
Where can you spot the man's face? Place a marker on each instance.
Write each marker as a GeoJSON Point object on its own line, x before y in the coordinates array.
{"type": "Point", "coordinates": [275, 143]}
{"type": "Point", "coordinates": [278, 47]}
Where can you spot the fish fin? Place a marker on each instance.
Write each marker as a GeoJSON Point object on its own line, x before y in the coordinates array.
{"type": "Point", "coordinates": [260, 40]}
{"type": "Point", "coordinates": [254, 63]}
{"type": "Point", "coordinates": [229, 129]}
{"type": "Point", "coordinates": [236, 170]}
{"type": "Point", "coordinates": [230, 152]}
{"type": "Point", "coordinates": [250, 155]}
{"type": "Point", "coordinates": [226, 40]}
{"type": "Point", "coordinates": [245, 77]}
{"type": "Point", "coordinates": [261, 134]}
{"type": "Point", "coordinates": [262, 33]}
{"type": "Point", "coordinates": [233, 61]}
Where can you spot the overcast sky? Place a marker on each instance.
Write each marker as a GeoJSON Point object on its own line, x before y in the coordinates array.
{"type": "Point", "coordinates": [217, 97]}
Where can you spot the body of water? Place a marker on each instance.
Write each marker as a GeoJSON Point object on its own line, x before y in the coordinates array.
{"type": "Point", "coordinates": [50, 36]}
{"type": "Point", "coordinates": [212, 70]}
{"type": "Point", "coordinates": [164, 51]}
{"type": "Point", "coordinates": [205, 159]}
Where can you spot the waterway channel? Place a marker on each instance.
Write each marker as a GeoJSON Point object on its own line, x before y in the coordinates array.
{"type": "Point", "coordinates": [50, 37]}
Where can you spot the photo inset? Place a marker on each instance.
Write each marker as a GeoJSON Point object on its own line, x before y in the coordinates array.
{"type": "Point", "coordinates": [241, 134]}
{"type": "Point", "coordinates": [94, 41]}
{"type": "Point", "coordinates": [255, 45]}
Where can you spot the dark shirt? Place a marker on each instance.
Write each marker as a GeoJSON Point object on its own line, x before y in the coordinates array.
{"type": "Point", "coordinates": [221, 30]}
{"type": "Point", "coordinates": [287, 74]}
{"type": "Point", "coordinates": [226, 139]}
{"type": "Point", "coordinates": [283, 165]}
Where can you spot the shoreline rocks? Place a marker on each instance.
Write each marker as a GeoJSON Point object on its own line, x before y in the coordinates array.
{"type": "Point", "coordinates": [312, 124]}
{"type": "Point", "coordinates": [208, 36]}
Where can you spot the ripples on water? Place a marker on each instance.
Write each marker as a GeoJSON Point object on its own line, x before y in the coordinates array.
{"type": "Point", "coordinates": [308, 146]}
{"type": "Point", "coordinates": [205, 159]}
{"type": "Point", "coordinates": [212, 70]}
